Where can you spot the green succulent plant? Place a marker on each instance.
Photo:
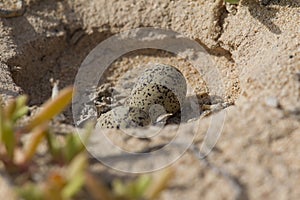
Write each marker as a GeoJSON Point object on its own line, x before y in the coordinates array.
{"type": "Point", "coordinates": [68, 155]}
{"type": "Point", "coordinates": [232, 1]}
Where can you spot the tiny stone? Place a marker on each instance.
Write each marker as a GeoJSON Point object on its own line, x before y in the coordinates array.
{"type": "Point", "coordinates": [272, 102]}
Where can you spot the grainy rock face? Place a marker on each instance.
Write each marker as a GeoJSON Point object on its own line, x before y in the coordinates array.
{"type": "Point", "coordinates": [255, 48]}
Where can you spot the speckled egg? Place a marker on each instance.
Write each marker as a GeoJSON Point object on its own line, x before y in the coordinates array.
{"type": "Point", "coordinates": [123, 117]}
{"type": "Point", "coordinates": [162, 85]}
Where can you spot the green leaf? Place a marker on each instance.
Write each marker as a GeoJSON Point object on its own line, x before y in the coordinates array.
{"type": "Point", "coordinates": [73, 187]}
{"type": "Point", "coordinates": [9, 109]}
{"type": "Point", "coordinates": [20, 113]}
{"type": "Point", "coordinates": [38, 135]}
{"type": "Point", "coordinates": [30, 192]}
{"type": "Point", "coordinates": [21, 108]}
{"type": "Point", "coordinates": [119, 188]}
{"type": "Point", "coordinates": [139, 187]}
{"type": "Point", "coordinates": [73, 146]}
{"type": "Point", "coordinates": [77, 166]}
{"type": "Point", "coordinates": [75, 143]}
{"type": "Point", "coordinates": [52, 108]}
{"type": "Point", "coordinates": [159, 183]}
{"type": "Point", "coordinates": [53, 144]}
{"type": "Point", "coordinates": [8, 138]}
{"type": "Point", "coordinates": [132, 190]}
{"type": "Point", "coordinates": [232, 1]}
{"type": "Point", "coordinates": [75, 176]}
{"type": "Point", "coordinates": [1, 123]}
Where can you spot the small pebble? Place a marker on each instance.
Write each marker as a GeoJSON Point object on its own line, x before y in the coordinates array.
{"type": "Point", "coordinates": [272, 102]}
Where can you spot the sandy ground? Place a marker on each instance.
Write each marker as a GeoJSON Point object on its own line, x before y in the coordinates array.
{"type": "Point", "coordinates": [255, 47]}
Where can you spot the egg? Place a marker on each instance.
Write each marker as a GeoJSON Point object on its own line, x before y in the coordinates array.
{"type": "Point", "coordinates": [160, 89]}
{"type": "Point", "coordinates": [123, 117]}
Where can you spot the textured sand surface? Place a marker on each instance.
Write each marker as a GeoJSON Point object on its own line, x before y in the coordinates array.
{"type": "Point", "coordinates": [255, 47]}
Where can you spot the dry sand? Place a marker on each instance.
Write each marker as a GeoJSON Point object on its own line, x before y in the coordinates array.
{"type": "Point", "coordinates": [255, 47]}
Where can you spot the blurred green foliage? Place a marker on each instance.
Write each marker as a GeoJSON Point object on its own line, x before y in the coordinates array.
{"type": "Point", "coordinates": [232, 1]}
{"type": "Point", "coordinates": [69, 158]}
